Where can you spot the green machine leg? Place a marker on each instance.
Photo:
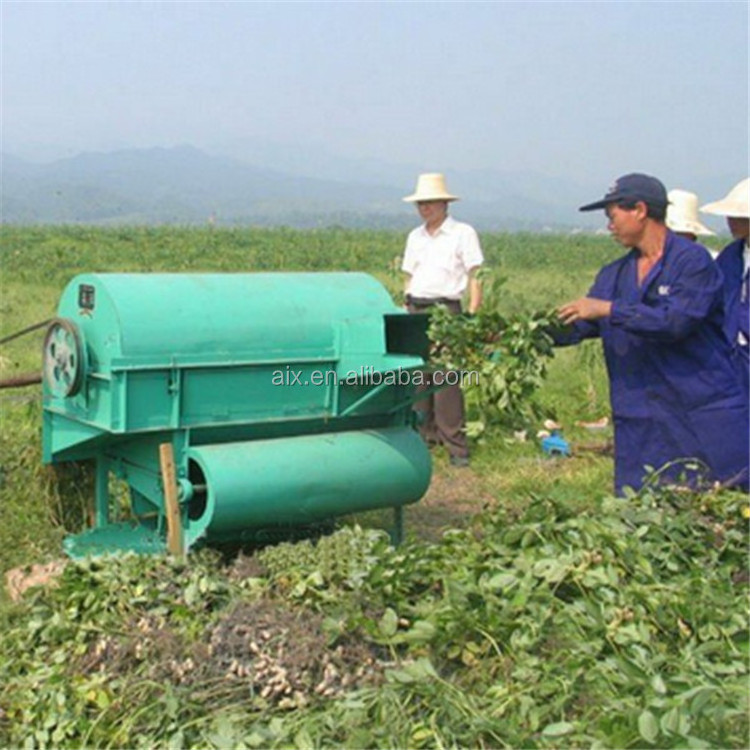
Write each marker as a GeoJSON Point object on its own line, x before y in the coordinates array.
{"type": "Point", "coordinates": [101, 511]}
{"type": "Point", "coordinates": [397, 532]}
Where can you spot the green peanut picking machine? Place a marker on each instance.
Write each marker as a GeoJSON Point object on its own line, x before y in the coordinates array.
{"type": "Point", "coordinates": [234, 407]}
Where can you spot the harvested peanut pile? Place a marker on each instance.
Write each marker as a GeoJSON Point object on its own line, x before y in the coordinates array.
{"type": "Point", "coordinates": [284, 656]}
{"type": "Point", "coordinates": [261, 650]}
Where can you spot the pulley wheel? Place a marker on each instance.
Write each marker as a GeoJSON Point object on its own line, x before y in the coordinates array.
{"type": "Point", "coordinates": [62, 358]}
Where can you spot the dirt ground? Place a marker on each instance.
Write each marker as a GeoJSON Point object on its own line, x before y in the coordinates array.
{"type": "Point", "coordinates": [454, 496]}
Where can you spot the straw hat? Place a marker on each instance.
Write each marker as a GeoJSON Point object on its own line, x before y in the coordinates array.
{"type": "Point", "coordinates": [430, 187]}
{"type": "Point", "coordinates": [682, 213]}
{"type": "Point", "coordinates": [736, 203]}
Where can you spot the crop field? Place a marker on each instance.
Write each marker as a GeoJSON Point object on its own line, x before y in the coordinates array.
{"type": "Point", "coordinates": [526, 608]}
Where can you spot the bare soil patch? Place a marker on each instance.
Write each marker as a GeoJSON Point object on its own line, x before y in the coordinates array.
{"type": "Point", "coordinates": [454, 497]}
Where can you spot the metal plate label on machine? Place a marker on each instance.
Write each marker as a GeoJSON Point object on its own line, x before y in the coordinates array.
{"type": "Point", "coordinates": [86, 295]}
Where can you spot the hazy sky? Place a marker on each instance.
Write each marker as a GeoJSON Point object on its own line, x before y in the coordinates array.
{"type": "Point", "coordinates": [587, 88]}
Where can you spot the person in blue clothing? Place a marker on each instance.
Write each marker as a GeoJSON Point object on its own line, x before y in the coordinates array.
{"type": "Point", "coordinates": [659, 312]}
{"type": "Point", "coordinates": [734, 262]}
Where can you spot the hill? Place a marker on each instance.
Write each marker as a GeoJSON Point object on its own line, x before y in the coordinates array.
{"type": "Point", "coordinates": [185, 185]}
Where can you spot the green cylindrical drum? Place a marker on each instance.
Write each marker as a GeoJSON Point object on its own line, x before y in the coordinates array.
{"type": "Point", "coordinates": [300, 480]}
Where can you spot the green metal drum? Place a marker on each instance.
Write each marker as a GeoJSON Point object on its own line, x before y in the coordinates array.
{"type": "Point", "coordinates": [304, 479]}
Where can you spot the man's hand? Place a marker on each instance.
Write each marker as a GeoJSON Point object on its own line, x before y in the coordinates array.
{"type": "Point", "coordinates": [585, 308]}
{"type": "Point", "coordinates": [475, 292]}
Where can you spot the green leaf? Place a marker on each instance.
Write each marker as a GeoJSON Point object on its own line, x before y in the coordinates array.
{"type": "Point", "coordinates": [501, 581]}
{"type": "Point", "coordinates": [696, 743]}
{"type": "Point", "coordinates": [701, 699]}
{"type": "Point", "coordinates": [388, 623]}
{"type": "Point", "coordinates": [648, 727]}
{"type": "Point", "coordinates": [421, 632]}
{"type": "Point", "coordinates": [674, 722]}
{"type": "Point", "coordinates": [176, 741]}
{"type": "Point", "coordinates": [192, 594]}
{"type": "Point", "coordinates": [224, 735]}
{"type": "Point", "coordinates": [316, 579]}
{"type": "Point", "coordinates": [645, 565]}
{"type": "Point", "coordinates": [303, 740]}
{"type": "Point", "coordinates": [415, 671]}
{"type": "Point", "coordinates": [559, 729]}
{"type": "Point", "coordinates": [551, 570]}
{"type": "Point", "coordinates": [420, 733]}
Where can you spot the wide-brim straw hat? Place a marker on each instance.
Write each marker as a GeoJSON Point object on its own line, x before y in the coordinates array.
{"type": "Point", "coordinates": [430, 187]}
{"type": "Point", "coordinates": [735, 203]}
{"type": "Point", "coordinates": [682, 213]}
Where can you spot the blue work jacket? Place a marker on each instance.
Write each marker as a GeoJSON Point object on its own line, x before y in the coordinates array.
{"type": "Point", "coordinates": [736, 311]}
{"type": "Point", "coordinates": [675, 392]}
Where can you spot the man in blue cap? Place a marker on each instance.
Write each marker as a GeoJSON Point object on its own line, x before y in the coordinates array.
{"type": "Point", "coordinates": [659, 312]}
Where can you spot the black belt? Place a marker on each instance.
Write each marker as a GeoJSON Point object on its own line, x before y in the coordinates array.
{"type": "Point", "coordinates": [430, 301]}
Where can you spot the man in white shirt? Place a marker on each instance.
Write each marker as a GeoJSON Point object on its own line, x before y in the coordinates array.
{"type": "Point", "coordinates": [441, 259]}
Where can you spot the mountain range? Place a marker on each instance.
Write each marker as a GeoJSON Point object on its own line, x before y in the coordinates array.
{"type": "Point", "coordinates": [266, 186]}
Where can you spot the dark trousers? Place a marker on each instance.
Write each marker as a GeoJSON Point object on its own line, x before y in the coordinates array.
{"type": "Point", "coordinates": [443, 415]}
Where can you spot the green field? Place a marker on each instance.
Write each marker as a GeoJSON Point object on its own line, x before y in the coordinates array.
{"type": "Point", "coordinates": [527, 608]}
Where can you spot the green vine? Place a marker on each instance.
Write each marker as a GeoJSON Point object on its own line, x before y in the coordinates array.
{"type": "Point", "coordinates": [506, 357]}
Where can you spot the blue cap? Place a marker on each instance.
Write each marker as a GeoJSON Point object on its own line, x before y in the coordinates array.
{"type": "Point", "coordinates": [630, 188]}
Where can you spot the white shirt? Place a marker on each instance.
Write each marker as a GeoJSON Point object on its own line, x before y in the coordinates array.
{"type": "Point", "coordinates": [439, 264]}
